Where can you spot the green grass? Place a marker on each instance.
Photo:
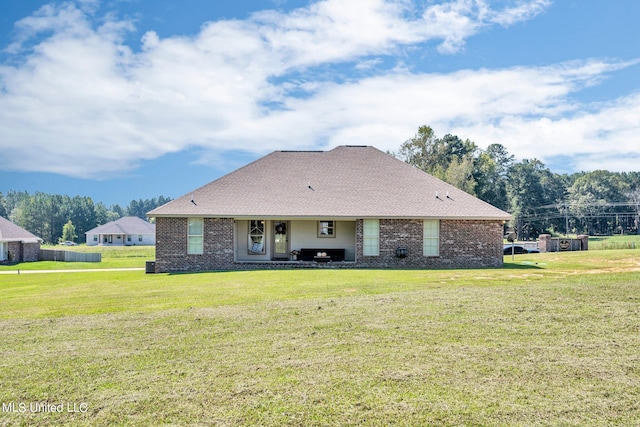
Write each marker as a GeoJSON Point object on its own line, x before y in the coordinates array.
{"type": "Point", "coordinates": [551, 339]}
{"type": "Point", "coordinates": [631, 241]}
{"type": "Point", "coordinates": [112, 257]}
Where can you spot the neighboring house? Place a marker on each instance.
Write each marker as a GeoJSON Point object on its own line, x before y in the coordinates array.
{"type": "Point", "coordinates": [17, 244]}
{"type": "Point", "coordinates": [126, 231]}
{"type": "Point", "coordinates": [359, 206]}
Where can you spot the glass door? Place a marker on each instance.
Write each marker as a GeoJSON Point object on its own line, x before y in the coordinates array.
{"type": "Point", "coordinates": [280, 239]}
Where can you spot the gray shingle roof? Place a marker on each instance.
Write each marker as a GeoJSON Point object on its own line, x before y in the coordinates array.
{"type": "Point", "coordinates": [346, 182]}
{"type": "Point", "coordinates": [125, 225]}
{"type": "Point", "coordinates": [10, 232]}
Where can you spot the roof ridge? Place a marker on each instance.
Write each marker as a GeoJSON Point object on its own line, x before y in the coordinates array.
{"type": "Point", "coordinates": [300, 151]}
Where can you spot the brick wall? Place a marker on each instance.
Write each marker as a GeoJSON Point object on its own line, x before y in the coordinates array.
{"type": "Point", "coordinates": [393, 234]}
{"type": "Point", "coordinates": [171, 246]}
{"type": "Point", "coordinates": [22, 252]}
{"type": "Point", "coordinates": [30, 252]}
{"type": "Point", "coordinates": [471, 244]}
{"type": "Point", "coordinates": [463, 244]}
{"type": "Point", "coordinates": [15, 251]}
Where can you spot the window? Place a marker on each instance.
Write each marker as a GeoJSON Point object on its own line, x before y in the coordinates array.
{"type": "Point", "coordinates": [128, 238]}
{"type": "Point", "coordinates": [256, 237]}
{"type": "Point", "coordinates": [139, 237]}
{"type": "Point", "coordinates": [326, 229]}
{"type": "Point", "coordinates": [95, 237]}
{"type": "Point", "coordinates": [431, 238]}
{"type": "Point", "coordinates": [195, 236]}
{"type": "Point", "coordinates": [371, 237]}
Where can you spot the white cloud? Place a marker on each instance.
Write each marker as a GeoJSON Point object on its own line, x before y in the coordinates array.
{"type": "Point", "coordinates": [607, 137]}
{"type": "Point", "coordinates": [82, 103]}
{"type": "Point", "coordinates": [520, 12]}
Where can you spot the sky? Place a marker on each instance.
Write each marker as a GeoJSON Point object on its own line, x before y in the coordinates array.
{"type": "Point", "coordinates": [130, 99]}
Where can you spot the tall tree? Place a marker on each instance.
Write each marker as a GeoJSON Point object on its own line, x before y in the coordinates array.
{"type": "Point", "coordinates": [39, 215]}
{"type": "Point", "coordinates": [12, 198]}
{"type": "Point", "coordinates": [526, 193]}
{"type": "Point", "coordinates": [104, 215]}
{"type": "Point", "coordinates": [459, 173]}
{"type": "Point", "coordinates": [419, 150]}
{"type": "Point", "coordinates": [83, 214]}
{"type": "Point", "coordinates": [117, 210]}
{"type": "Point", "coordinates": [448, 158]}
{"type": "Point", "coordinates": [68, 232]}
{"type": "Point", "coordinates": [3, 209]}
{"type": "Point", "coordinates": [491, 167]}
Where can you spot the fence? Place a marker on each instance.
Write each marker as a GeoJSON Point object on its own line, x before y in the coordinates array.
{"type": "Point", "coordinates": [68, 256]}
{"type": "Point", "coordinates": [556, 244]}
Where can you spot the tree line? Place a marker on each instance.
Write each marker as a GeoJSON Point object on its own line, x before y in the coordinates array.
{"type": "Point", "coordinates": [598, 202]}
{"type": "Point", "coordinates": [55, 217]}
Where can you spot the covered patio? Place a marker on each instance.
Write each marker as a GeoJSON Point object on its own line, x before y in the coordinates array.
{"type": "Point", "coordinates": [295, 240]}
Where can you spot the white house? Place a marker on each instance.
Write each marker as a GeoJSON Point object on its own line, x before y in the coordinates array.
{"type": "Point", "coordinates": [126, 231]}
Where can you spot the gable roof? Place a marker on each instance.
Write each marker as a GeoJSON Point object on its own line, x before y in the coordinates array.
{"type": "Point", "coordinates": [10, 232]}
{"type": "Point", "coordinates": [125, 225]}
{"type": "Point", "coordinates": [346, 182]}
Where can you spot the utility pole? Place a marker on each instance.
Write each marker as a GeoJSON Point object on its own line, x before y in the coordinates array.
{"type": "Point", "coordinates": [566, 220]}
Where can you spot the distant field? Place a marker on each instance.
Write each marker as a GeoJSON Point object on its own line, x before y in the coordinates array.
{"type": "Point", "coordinates": [551, 339]}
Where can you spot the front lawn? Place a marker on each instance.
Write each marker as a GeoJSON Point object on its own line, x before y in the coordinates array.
{"type": "Point", "coordinates": [551, 339]}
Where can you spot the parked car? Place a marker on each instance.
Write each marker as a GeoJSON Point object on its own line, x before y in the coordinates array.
{"type": "Point", "coordinates": [518, 249]}
{"type": "Point", "coordinates": [69, 243]}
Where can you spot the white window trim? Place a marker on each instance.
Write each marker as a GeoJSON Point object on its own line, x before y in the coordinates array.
{"type": "Point", "coordinates": [250, 242]}
{"type": "Point", "coordinates": [429, 237]}
{"type": "Point", "coordinates": [331, 227]}
{"type": "Point", "coordinates": [200, 250]}
{"type": "Point", "coordinates": [368, 239]}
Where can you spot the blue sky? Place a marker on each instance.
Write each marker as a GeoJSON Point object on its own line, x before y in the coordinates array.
{"type": "Point", "coordinates": [128, 99]}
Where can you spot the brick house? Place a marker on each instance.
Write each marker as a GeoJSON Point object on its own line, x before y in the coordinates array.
{"type": "Point", "coordinates": [17, 244]}
{"type": "Point", "coordinates": [353, 206]}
